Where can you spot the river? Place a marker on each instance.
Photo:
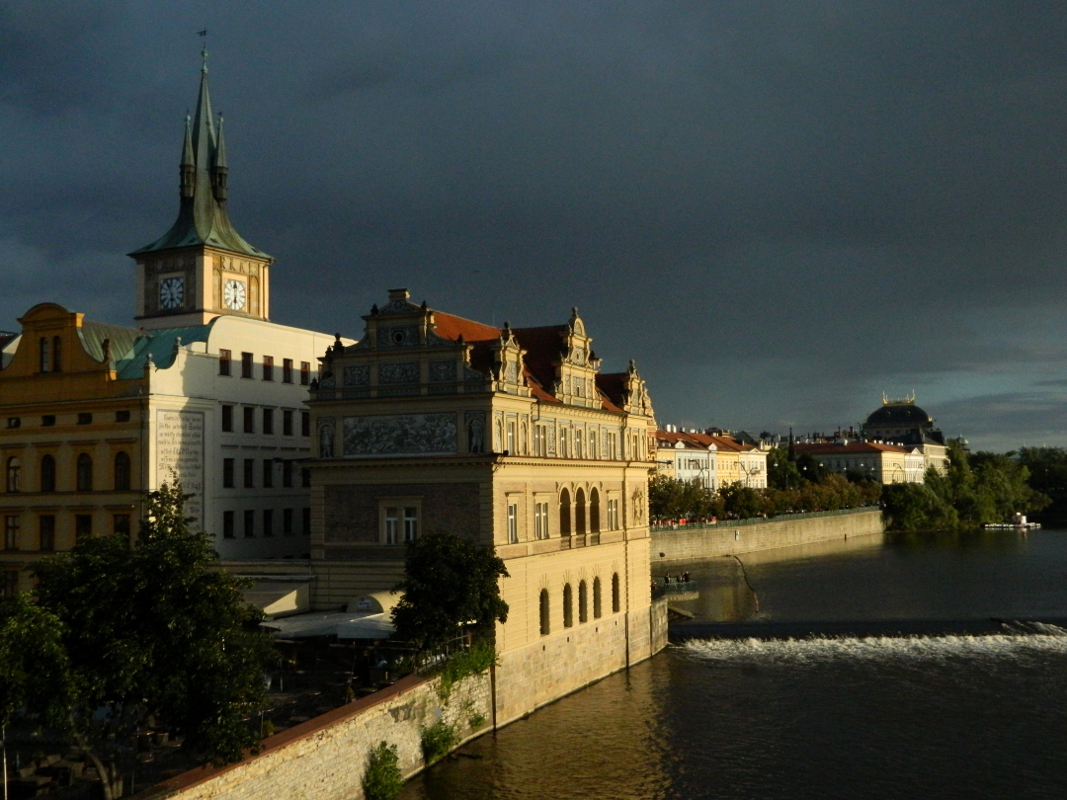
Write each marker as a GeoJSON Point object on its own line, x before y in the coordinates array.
{"type": "Point", "coordinates": [904, 667]}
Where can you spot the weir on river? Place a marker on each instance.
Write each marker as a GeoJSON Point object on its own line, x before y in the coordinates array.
{"type": "Point", "coordinates": [907, 667]}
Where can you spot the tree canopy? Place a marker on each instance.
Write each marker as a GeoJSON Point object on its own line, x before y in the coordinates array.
{"type": "Point", "coordinates": [150, 631]}
{"type": "Point", "coordinates": [450, 585]}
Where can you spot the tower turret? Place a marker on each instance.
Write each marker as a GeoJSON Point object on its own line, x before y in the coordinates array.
{"type": "Point", "coordinates": [201, 267]}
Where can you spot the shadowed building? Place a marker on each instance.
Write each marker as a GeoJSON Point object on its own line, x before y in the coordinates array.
{"type": "Point", "coordinates": [513, 438]}
{"type": "Point", "coordinates": [904, 423]}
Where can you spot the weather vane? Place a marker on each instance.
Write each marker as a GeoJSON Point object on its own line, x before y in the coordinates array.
{"type": "Point", "coordinates": [203, 52]}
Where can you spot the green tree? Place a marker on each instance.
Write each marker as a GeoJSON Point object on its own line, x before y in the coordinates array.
{"type": "Point", "coordinates": [153, 630]}
{"type": "Point", "coordinates": [34, 674]}
{"type": "Point", "coordinates": [782, 472]}
{"type": "Point", "coordinates": [917, 507]}
{"type": "Point", "coordinates": [740, 501]}
{"type": "Point", "coordinates": [450, 585]}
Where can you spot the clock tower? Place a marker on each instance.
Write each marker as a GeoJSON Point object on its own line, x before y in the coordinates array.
{"type": "Point", "coordinates": [201, 268]}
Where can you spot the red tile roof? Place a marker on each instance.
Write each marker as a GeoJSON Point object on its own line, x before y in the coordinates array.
{"type": "Point", "coordinates": [449, 326]}
{"type": "Point", "coordinates": [852, 448]}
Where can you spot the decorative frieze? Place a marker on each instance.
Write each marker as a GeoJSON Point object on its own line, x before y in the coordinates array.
{"type": "Point", "coordinates": [400, 434]}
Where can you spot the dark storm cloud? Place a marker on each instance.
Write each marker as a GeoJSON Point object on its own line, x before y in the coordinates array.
{"type": "Point", "coordinates": [780, 209]}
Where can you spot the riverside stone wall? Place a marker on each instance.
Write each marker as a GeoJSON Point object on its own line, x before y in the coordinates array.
{"type": "Point", "coordinates": [324, 758]}
{"type": "Point", "coordinates": [693, 543]}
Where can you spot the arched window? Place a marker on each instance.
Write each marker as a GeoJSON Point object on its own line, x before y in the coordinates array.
{"type": "Point", "coordinates": [616, 603]}
{"type": "Point", "coordinates": [579, 511]}
{"type": "Point", "coordinates": [48, 474]}
{"type": "Point", "coordinates": [14, 474]}
{"type": "Point", "coordinates": [564, 513]}
{"type": "Point", "coordinates": [43, 353]}
{"type": "Point", "coordinates": [594, 510]}
{"type": "Point", "coordinates": [583, 602]}
{"type": "Point", "coordinates": [85, 473]}
{"type": "Point", "coordinates": [122, 471]}
{"type": "Point", "coordinates": [596, 598]}
{"type": "Point", "coordinates": [544, 613]}
{"type": "Point", "coordinates": [568, 606]}
{"type": "Point", "coordinates": [57, 361]}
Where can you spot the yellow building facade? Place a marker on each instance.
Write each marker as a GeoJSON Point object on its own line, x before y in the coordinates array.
{"type": "Point", "coordinates": [512, 438]}
{"type": "Point", "coordinates": [70, 445]}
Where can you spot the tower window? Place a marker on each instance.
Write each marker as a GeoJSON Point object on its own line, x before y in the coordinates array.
{"type": "Point", "coordinates": [268, 368]}
{"type": "Point", "coordinates": [246, 365]}
{"type": "Point", "coordinates": [305, 373]}
{"type": "Point", "coordinates": [287, 370]}
{"type": "Point", "coordinates": [224, 362]}
{"type": "Point", "coordinates": [268, 421]}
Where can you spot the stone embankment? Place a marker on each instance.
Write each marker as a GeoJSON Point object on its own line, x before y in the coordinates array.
{"type": "Point", "coordinates": [325, 757]}
{"type": "Point", "coordinates": [694, 542]}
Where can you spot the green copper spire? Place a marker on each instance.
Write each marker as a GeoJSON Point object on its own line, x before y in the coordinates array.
{"type": "Point", "coordinates": [202, 216]}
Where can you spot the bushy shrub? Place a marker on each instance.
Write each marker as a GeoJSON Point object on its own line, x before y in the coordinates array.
{"type": "Point", "coordinates": [382, 779]}
{"type": "Point", "coordinates": [438, 741]}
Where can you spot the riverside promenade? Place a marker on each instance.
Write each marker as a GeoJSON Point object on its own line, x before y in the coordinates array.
{"type": "Point", "coordinates": [695, 541]}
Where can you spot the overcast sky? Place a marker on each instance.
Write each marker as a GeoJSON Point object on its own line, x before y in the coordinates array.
{"type": "Point", "coordinates": [779, 210]}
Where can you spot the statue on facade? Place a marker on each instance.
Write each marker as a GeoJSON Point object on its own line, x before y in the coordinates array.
{"type": "Point", "coordinates": [326, 441]}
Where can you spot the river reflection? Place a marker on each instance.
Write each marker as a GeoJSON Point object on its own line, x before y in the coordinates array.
{"type": "Point", "coordinates": [612, 734]}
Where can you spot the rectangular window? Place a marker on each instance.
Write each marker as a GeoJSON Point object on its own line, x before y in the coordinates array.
{"type": "Point", "coordinates": [250, 473]}
{"type": "Point", "coordinates": [246, 365]}
{"type": "Point", "coordinates": [48, 420]}
{"type": "Point", "coordinates": [268, 368]}
{"type": "Point", "coordinates": [287, 422]}
{"type": "Point", "coordinates": [268, 473]}
{"type": "Point", "coordinates": [46, 533]}
{"type": "Point", "coordinates": [287, 522]}
{"type": "Point", "coordinates": [14, 422]}
{"type": "Point", "coordinates": [227, 473]}
{"type": "Point", "coordinates": [227, 525]}
{"type": "Point", "coordinates": [287, 474]}
{"type": "Point", "coordinates": [539, 522]}
{"type": "Point", "coordinates": [562, 443]}
{"type": "Point", "coordinates": [305, 423]}
{"type": "Point", "coordinates": [613, 447]}
{"type": "Point", "coordinates": [11, 532]}
{"type": "Point", "coordinates": [305, 373]}
{"type": "Point", "coordinates": [577, 444]}
{"type": "Point", "coordinates": [83, 526]}
{"type": "Point", "coordinates": [224, 362]}
{"type": "Point", "coordinates": [411, 523]}
{"type": "Point", "coordinates": [391, 524]}
{"type": "Point", "coordinates": [513, 523]}
{"type": "Point", "coordinates": [122, 416]}
{"type": "Point", "coordinates": [305, 478]}
{"type": "Point", "coordinates": [120, 524]}
{"type": "Point", "coordinates": [511, 439]}
{"type": "Point", "coordinates": [250, 524]}
{"type": "Point", "coordinates": [287, 370]}
{"type": "Point", "coordinates": [227, 419]}
{"type": "Point", "coordinates": [85, 418]}
{"type": "Point", "coordinates": [268, 522]}
{"type": "Point", "coordinates": [250, 419]}
{"type": "Point", "coordinates": [307, 521]}
{"type": "Point", "coordinates": [268, 421]}
{"type": "Point", "coordinates": [613, 514]}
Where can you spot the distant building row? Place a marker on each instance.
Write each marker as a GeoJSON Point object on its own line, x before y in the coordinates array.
{"type": "Point", "coordinates": [709, 461]}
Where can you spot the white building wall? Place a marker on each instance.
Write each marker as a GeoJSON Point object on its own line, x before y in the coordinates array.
{"type": "Point", "coordinates": [191, 392]}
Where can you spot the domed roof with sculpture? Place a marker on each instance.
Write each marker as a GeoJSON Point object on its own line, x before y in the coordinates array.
{"type": "Point", "coordinates": [901, 421]}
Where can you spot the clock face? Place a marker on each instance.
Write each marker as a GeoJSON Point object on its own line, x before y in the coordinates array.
{"type": "Point", "coordinates": [171, 292]}
{"type": "Point", "coordinates": [234, 295]}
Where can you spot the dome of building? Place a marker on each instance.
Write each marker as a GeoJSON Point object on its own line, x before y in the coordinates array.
{"type": "Point", "coordinates": [898, 415]}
